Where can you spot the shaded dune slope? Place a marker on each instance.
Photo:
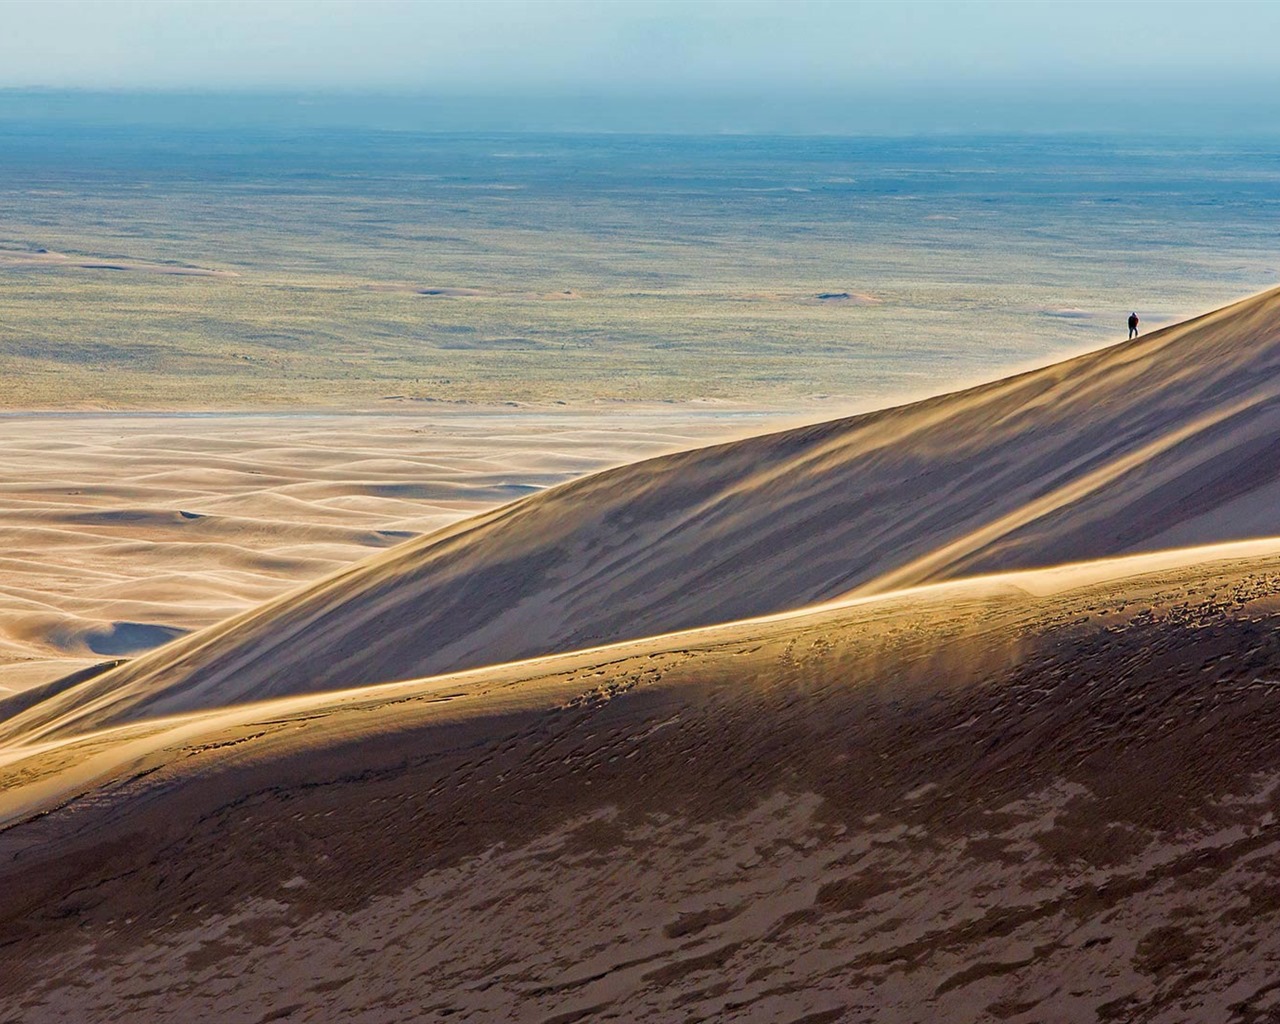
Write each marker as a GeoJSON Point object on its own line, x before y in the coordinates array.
{"type": "Point", "coordinates": [1050, 793]}
{"type": "Point", "coordinates": [1165, 440]}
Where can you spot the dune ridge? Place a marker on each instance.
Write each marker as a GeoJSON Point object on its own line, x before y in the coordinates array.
{"type": "Point", "coordinates": [1112, 452]}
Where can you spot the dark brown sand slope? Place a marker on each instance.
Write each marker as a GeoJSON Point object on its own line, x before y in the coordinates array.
{"type": "Point", "coordinates": [1163, 442]}
{"type": "Point", "coordinates": [1043, 797]}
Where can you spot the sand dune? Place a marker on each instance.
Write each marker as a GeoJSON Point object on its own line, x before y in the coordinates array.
{"type": "Point", "coordinates": [1116, 451]}
{"type": "Point", "coordinates": [140, 528]}
{"type": "Point", "coordinates": [1042, 796]}
{"type": "Point", "coordinates": [862, 720]}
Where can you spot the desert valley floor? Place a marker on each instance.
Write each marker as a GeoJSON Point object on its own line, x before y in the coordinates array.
{"type": "Point", "coordinates": [967, 709]}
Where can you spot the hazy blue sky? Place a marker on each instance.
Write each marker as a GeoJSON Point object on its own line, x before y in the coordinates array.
{"type": "Point", "coordinates": [645, 45]}
{"type": "Point", "coordinates": [1218, 57]}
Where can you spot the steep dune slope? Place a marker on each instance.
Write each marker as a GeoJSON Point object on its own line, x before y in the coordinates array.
{"type": "Point", "coordinates": [1048, 795]}
{"type": "Point", "coordinates": [1115, 451]}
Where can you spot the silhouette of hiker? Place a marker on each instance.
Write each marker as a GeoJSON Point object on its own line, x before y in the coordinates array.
{"type": "Point", "coordinates": [1133, 325]}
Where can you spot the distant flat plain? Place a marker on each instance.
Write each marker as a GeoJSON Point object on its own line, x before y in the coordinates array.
{"type": "Point", "coordinates": [147, 268]}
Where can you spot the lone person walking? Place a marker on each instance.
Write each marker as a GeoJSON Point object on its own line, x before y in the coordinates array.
{"type": "Point", "coordinates": [1133, 325]}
